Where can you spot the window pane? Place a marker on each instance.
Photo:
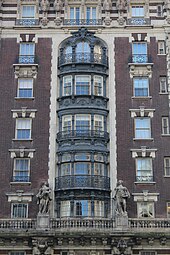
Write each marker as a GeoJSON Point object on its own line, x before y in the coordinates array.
{"type": "Point", "coordinates": [23, 129]}
{"type": "Point", "coordinates": [82, 168]}
{"type": "Point", "coordinates": [28, 11]}
{"type": "Point", "coordinates": [141, 87]}
{"type": "Point", "coordinates": [137, 11]}
{"type": "Point", "coordinates": [82, 208]}
{"type": "Point", "coordinates": [67, 85]}
{"type": "Point", "coordinates": [66, 123]}
{"type": "Point", "coordinates": [142, 128]}
{"type": "Point", "coordinates": [98, 86]}
{"type": "Point", "coordinates": [19, 211]}
{"type": "Point", "coordinates": [65, 169]}
{"type": "Point", "coordinates": [98, 123]}
{"type": "Point", "coordinates": [82, 85]}
{"type": "Point", "coordinates": [21, 170]}
{"type": "Point", "coordinates": [82, 124]}
{"type": "Point", "coordinates": [82, 156]}
{"type": "Point", "coordinates": [145, 209]}
{"type": "Point", "coordinates": [27, 49]}
{"type": "Point", "coordinates": [25, 88]}
{"type": "Point", "coordinates": [167, 166]}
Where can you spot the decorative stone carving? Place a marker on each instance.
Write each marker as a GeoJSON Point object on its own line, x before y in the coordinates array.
{"type": "Point", "coordinates": [42, 246]}
{"type": "Point", "coordinates": [122, 247]}
{"type": "Point", "coordinates": [167, 7]}
{"type": "Point", "coordinates": [25, 72]}
{"type": "Point", "coordinates": [121, 7]}
{"type": "Point", "coordinates": [140, 70]}
{"type": "Point", "coordinates": [45, 5]}
{"type": "Point", "coordinates": [1, 2]}
{"type": "Point", "coordinates": [44, 198]}
{"type": "Point", "coordinates": [121, 194]}
{"type": "Point", "coordinates": [58, 8]}
{"type": "Point", "coordinates": [107, 6]}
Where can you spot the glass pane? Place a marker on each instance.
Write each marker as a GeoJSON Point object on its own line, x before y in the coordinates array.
{"type": "Point", "coordinates": [28, 11]}
{"type": "Point", "coordinates": [93, 12]}
{"type": "Point", "coordinates": [67, 85]}
{"type": "Point", "coordinates": [82, 85]}
{"type": "Point", "coordinates": [98, 86]}
{"type": "Point", "coordinates": [141, 87]}
{"type": "Point", "coordinates": [88, 13]}
{"type": "Point", "coordinates": [82, 168]}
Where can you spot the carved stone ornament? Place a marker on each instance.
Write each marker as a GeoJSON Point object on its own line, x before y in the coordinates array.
{"type": "Point", "coordinates": [107, 5]}
{"type": "Point", "coordinates": [42, 246]}
{"type": "Point", "coordinates": [44, 198]}
{"type": "Point", "coordinates": [58, 5]}
{"type": "Point", "coordinates": [25, 72]}
{"type": "Point", "coordinates": [45, 5]}
{"type": "Point", "coordinates": [58, 21]}
{"type": "Point", "coordinates": [44, 21]}
{"type": "Point", "coordinates": [122, 247]}
{"type": "Point", "coordinates": [121, 21]}
{"type": "Point", "coordinates": [1, 2]}
{"type": "Point", "coordinates": [121, 5]}
{"type": "Point", "coordinates": [120, 196]}
{"type": "Point", "coordinates": [140, 71]}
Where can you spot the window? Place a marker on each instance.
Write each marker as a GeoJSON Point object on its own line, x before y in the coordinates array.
{"type": "Point", "coordinates": [65, 169]}
{"type": "Point", "coordinates": [145, 209]}
{"type": "Point", "coordinates": [142, 128]}
{"type": "Point", "coordinates": [82, 124]}
{"type": "Point", "coordinates": [147, 253]}
{"type": "Point", "coordinates": [161, 47]}
{"type": "Point", "coordinates": [165, 125]}
{"type": "Point", "coordinates": [19, 210]}
{"type": "Point", "coordinates": [83, 52]}
{"type": "Point", "coordinates": [66, 157]}
{"type": "Point", "coordinates": [90, 13]}
{"type": "Point", "coordinates": [137, 11]}
{"type": "Point", "coordinates": [67, 124]}
{"type": "Point", "coordinates": [99, 169]}
{"type": "Point", "coordinates": [99, 208]}
{"type": "Point", "coordinates": [28, 12]}
{"type": "Point", "coordinates": [82, 168]}
{"type": "Point", "coordinates": [65, 209]}
{"type": "Point", "coordinates": [82, 85]}
{"type": "Point", "coordinates": [82, 208]}
{"type": "Point", "coordinates": [144, 170]}
{"type": "Point", "coordinates": [75, 14]}
{"type": "Point", "coordinates": [141, 87]}
{"type": "Point", "coordinates": [167, 166]}
{"type": "Point", "coordinates": [21, 170]}
{"type": "Point", "coordinates": [82, 156]}
{"type": "Point", "coordinates": [159, 11]}
{"type": "Point", "coordinates": [25, 88]}
{"type": "Point", "coordinates": [26, 54]}
{"type": "Point", "coordinates": [98, 123]}
{"type": "Point", "coordinates": [163, 85]}
{"type": "Point", "coordinates": [98, 85]}
{"type": "Point", "coordinates": [168, 209]}
{"type": "Point", "coordinates": [23, 129]}
{"type": "Point", "coordinates": [67, 88]}
{"type": "Point", "coordinates": [139, 52]}
{"type": "Point", "coordinates": [17, 253]}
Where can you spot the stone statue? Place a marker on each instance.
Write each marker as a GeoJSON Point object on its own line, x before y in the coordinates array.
{"type": "Point", "coordinates": [44, 198]}
{"type": "Point", "coordinates": [121, 194]}
{"type": "Point", "coordinates": [121, 5]}
{"type": "Point", "coordinates": [45, 4]}
{"type": "Point", "coordinates": [58, 5]}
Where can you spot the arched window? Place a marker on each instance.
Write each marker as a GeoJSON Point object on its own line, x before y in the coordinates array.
{"type": "Point", "coordinates": [83, 52]}
{"type": "Point", "coordinates": [68, 54]}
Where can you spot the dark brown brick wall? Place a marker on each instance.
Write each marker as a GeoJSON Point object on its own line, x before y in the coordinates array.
{"type": "Point", "coordinates": [125, 125]}
{"type": "Point", "coordinates": [40, 125]}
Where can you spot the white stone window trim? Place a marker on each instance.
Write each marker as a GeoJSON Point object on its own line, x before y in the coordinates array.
{"type": "Point", "coordinates": [24, 113]}
{"type": "Point", "coordinates": [141, 112]}
{"type": "Point", "coordinates": [145, 196]}
{"type": "Point", "coordinates": [143, 152]}
{"type": "Point", "coordinates": [20, 196]}
{"type": "Point", "coordinates": [22, 152]}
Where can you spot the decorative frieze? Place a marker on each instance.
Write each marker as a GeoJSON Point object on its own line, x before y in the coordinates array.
{"type": "Point", "coordinates": [22, 71]}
